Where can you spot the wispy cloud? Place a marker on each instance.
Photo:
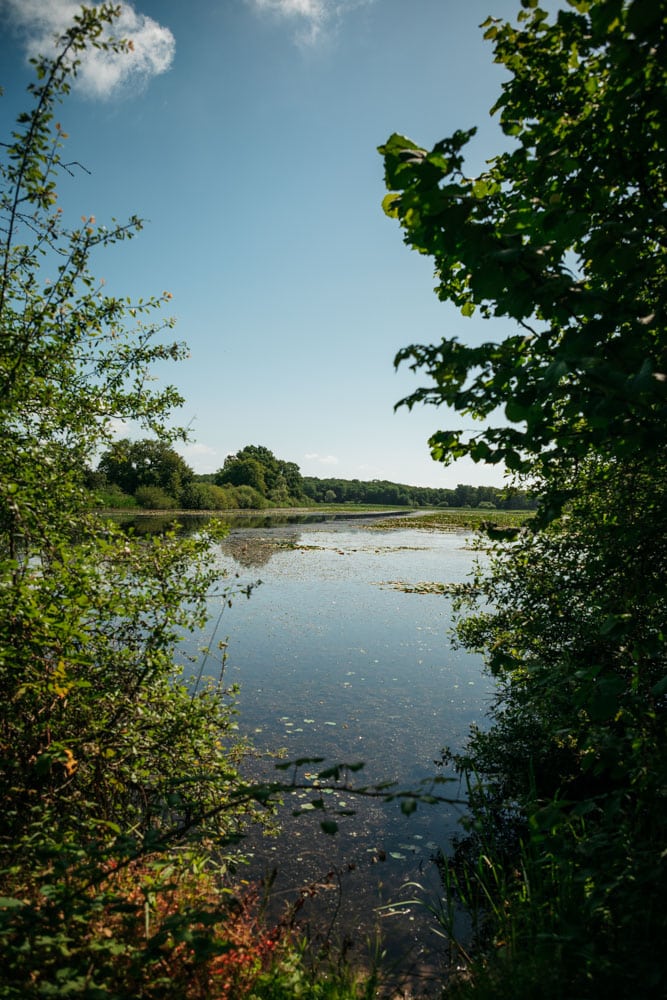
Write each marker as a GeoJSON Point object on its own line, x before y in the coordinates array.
{"type": "Point", "coordinates": [322, 459]}
{"type": "Point", "coordinates": [40, 22]}
{"type": "Point", "coordinates": [311, 18]}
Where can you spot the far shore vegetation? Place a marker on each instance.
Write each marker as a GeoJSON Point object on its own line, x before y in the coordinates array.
{"type": "Point", "coordinates": [149, 474]}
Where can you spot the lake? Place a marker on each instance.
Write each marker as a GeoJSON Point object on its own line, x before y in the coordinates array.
{"type": "Point", "coordinates": [334, 660]}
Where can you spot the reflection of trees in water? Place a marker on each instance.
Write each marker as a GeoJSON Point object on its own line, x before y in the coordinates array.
{"type": "Point", "coordinates": [159, 524]}
{"type": "Point", "coordinates": [247, 549]}
{"type": "Point", "coordinates": [256, 551]}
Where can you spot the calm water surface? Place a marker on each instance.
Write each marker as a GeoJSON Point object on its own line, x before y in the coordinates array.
{"type": "Point", "coordinates": [334, 662]}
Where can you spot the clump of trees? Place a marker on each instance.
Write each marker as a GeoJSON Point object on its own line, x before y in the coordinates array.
{"type": "Point", "coordinates": [564, 233]}
{"type": "Point", "coordinates": [152, 474]}
{"type": "Point", "coordinates": [143, 465]}
{"type": "Point", "coordinates": [273, 481]}
{"type": "Point", "coordinates": [116, 776]}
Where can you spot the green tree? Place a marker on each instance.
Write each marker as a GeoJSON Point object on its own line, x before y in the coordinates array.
{"type": "Point", "coordinates": [146, 463]}
{"type": "Point", "coordinates": [564, 233]}
{"type": "Point", "coordinates": [106, 755]}
{"type": "Point", "coordinates": [256, 466]}
{"type": "Point", "coordinates": [292, 479]}
{"type": "Point", "coordinates": [241, 471]}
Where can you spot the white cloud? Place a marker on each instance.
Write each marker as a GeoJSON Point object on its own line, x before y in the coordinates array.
{"type": "Point", "coordinates": [41, 22]}
{"type": "Point", "coordinates": [311, 17]}
{"type": "Point", "coordinates": [322, 459]}
{"type": "Point", "coordinates": [200, 456]}
{"type": "Point", "coordinates": [118, 427]}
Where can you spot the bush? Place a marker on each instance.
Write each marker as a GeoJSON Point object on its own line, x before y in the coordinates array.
{"type": "Point", "coordinates": [106, 754]}
{"type": "Point", "coordinates": [153, 498]}
{"type": "Point", "coordinates": [568, 782]}
{"type": "Point", "coordinates": [112, 496]}
{"type": "Point", "coordinates": [246, 498]}
{"type": "Point", "coordinates": [206, 496]}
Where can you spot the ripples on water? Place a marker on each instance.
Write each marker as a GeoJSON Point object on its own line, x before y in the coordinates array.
{"type": "Point", "coordinates": [332, 662]}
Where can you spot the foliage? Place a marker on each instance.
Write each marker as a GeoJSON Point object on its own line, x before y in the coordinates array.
{"type": "Point", "coordinates": [380, 491]}
{"type": "Point", "coordinates": [206, 496]}
{"type": "Point", "coordinates": [161, 930]}
{"type": "Point", "coordinates": [133, 465]}
{"type": "Point", "coordinates": [113, 497]}
{"type": "Point", "coordinates": [67, 362]}
{"type": "Point", "coordinates": [257, 467]}
{"type": "Point", "coordinates": [154, 498]}
{"type": "Point", "coordinates": [569, 780]}
{"type": "Point", "coordinates": [246, 498]}
{"type": "Point", "coordinates": [563, 233]}
{"type": "Point", "coordinates": [106, 754]}
{"type": "Point", "coordinates": [243, 472]}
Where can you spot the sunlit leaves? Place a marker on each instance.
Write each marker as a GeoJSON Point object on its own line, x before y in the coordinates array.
{"type": "Point", "coordinates": [564, 233]}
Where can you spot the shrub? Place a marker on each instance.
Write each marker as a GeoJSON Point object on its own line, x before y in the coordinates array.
{"type": "Point", "coordinates": [153, 498]}
{"type": "Point", "coordinates": [246, 498]}
{"type": "Point", "coordinates": [112, 496]}
{"type": "Point", "coordinates": [206, 496]}
{"type": "Point", "coordinates": [106, 753]}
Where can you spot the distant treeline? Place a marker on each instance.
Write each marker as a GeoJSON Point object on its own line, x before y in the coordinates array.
{"type": "Point", "coordinates": [151, 474]}
{"type": "Point", "coordinates": [380, 491]}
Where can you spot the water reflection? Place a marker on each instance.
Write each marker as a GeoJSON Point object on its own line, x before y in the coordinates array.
{"type": "Point", "coordinates": [253, 550]}
{"type": "Point", "coordinates": [159, 524]}
{"type": "Point", "coordinates": [187, 524]}
{"type": "Point", "coordinates": [330, 664]}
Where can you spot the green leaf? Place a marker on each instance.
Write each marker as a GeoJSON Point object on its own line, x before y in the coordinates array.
{"type": "Point", "coordinates": [660, 688]}
{"type": "Point", "coordinates": [391, 204]}
{"type": "Point", "coordinates": [10, 903]}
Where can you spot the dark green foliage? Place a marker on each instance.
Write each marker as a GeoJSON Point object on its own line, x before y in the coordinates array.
{"type": "Point", "coordinates": [205, 496]}
{"type": "Point", "coordinates": [243, 472]}
{"type": "Point", "coordinates": [379, 491]}
{"type": "Point", "coordinates": [563, 867]}
{"type": "Point", "coordinates": [106, 755]}
{"type": "Point", "coordinates": [257, 467]}
{"type": "Point", "coordinates": [564, 233]}
{"type": "Point", "coordinates": [247, 498]}
{"type": "Point", "coordinates": [154, 498]}
{"type": "Point", "coordinates": [572, 772]}
{"type": "Point", "coordinates": [133, 465]}
{"type": "Point", "coordinates": [113, 497]}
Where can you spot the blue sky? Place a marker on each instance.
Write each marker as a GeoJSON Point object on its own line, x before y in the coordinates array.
{"type": "Point", "coordinates": [244, 132]}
